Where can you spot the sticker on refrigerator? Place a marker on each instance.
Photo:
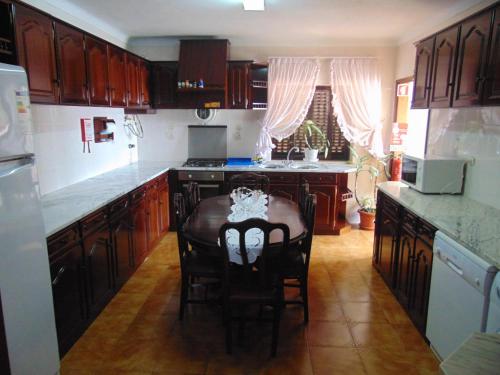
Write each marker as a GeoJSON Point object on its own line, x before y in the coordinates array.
{"type": "Point", "coordinates": [23, 104]}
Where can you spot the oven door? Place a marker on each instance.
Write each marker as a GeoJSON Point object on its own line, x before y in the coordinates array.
{"type": "Point", "coordinates": [207, 188]}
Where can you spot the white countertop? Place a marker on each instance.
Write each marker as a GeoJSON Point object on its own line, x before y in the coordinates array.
{"type": "Point", "coordinates": [72, 203]}
{"type": "Point", "coordinates": [67, 205]}
{"type": "Point", "coordinates": [473, 224]}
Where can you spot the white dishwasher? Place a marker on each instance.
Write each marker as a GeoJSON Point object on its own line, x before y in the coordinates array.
{"type": "Point", "coordinates": [493, 325]}
{"type": "Point", "coordinates": [459, 296]}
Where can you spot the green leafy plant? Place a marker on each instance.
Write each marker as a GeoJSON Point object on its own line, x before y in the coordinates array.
{"type": "Point", "coordinates": [362, 165]}
{"type": "Point", "coordinates": [322, 145]}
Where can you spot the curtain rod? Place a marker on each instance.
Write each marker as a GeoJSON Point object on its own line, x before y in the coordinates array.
{"type": "Point", "coordinates": [323, 57]}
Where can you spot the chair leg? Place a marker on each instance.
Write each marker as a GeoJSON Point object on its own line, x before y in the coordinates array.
{"type": "Point", "coordinates": [276, 328]}
{"type": "Point", "coordinates": [183, 297]}
{"type": "Point", "coordinates": [229, 331]}
{"type": "Point", "coordinates": [305, 301]}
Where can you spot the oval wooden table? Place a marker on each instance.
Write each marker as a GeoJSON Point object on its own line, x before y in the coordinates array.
{"type": "Point", "coordinates": [203, 225]}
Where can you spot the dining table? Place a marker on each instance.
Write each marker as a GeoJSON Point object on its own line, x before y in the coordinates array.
{"type": "Point", "coordinates": [203, 225]}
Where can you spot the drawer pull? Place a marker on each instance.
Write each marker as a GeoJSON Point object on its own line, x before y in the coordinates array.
{"type": "Point", "coordinates": [58, 276]}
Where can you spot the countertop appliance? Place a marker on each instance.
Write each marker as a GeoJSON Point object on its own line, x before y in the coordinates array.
{"type": "Point", "coordinates": [493, 324]}
{"type": "Point", "coordinates": [459, 295]}
{"type": "Point", "coordinates": [433, 175]}
{"type": "Point", "coordinates": [25, 283]}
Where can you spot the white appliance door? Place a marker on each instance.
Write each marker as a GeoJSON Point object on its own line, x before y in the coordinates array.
{"type": "Point", "coordinates": [16, 136]}
{"type": "Point", "coordinates": [455, 309]}
{"type": "Point", "coordinates": [25, 283]}
{"type": "Point", "coordinates": [494, 312]}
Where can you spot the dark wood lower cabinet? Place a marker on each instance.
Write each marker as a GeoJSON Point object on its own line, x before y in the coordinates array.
{"type": "Point", "coordinates": [92, 259]}
{"type": "Point", "coordinates": [403, 256]}
{"type": "Point", "coordinates": [97, 264]}
{"type": "Point", "coordinates": [68, 289]}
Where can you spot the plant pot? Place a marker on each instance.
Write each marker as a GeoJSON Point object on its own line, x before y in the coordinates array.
{"type": "Point", "coordinates": [366, 220]}
{"type": "Point", "coordinates": [310, 155]}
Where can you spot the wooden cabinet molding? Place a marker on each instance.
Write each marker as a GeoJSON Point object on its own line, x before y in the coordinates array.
{"type": "Point", "coordinates": [492, 81]}
{"type": "Point", "coordinates": [97, 71]}
{"type": "Point", "coordinates": [36, 53]}
{"type": "Point", "coordinates": [70, 45]}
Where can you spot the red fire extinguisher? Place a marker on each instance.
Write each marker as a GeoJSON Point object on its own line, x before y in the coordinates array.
{"type": "Point", "coordinates": [396, 169]}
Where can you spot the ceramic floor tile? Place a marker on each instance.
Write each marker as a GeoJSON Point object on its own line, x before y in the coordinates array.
{"type": "Point", "coordinates": [363, 312]}
{"type": "Point", "coordinates": [375, 335]}
{"type": "Point", "coordinates": [329, 334]}
{"type": "Point", "coordinates": [336, 361]}
{"type": "Point", "coordinates": [139, 333]}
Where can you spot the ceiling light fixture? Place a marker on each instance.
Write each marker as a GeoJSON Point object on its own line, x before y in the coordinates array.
{"type": "Point", "coordinates": [253, 4]}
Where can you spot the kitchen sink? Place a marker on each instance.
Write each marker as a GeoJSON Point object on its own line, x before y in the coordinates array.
{"type": "Point", "coordinates": [304, 166]}
{"type": "Point", "coordinates": [272, 166]}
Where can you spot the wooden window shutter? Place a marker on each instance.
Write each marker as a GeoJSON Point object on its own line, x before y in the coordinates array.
{"type": "Point", "coordinates": [320, 111]}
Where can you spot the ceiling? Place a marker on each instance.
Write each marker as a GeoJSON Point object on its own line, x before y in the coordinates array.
{"type": "Point", "coordinates": [284, 23]}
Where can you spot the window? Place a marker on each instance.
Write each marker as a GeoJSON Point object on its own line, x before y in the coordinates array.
{"type": "Point", "coordinates": [321, 113]}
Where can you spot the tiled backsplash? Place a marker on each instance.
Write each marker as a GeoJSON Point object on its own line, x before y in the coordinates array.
{"type": "Point", "coordinates": [166, 133]}
{"type": "Point", "coordinates": [472, 133]}
{"type": "Point", "coordinates": [59, 149]}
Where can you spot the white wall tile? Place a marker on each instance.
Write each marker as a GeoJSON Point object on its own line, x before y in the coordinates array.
{"type": "Point", "coordinates": [59, 150]}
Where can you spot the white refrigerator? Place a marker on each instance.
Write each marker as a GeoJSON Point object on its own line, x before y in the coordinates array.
{"type": "Point", "coordinates": [25, 284]}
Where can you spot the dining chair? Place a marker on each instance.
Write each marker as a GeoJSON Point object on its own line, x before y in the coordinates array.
{"type": "Point", "coordinates": [303, 192]}
{"type": "Point", "coordinates": [192, 196]}
{"type": "Point", "coordinates": [250, 180]}
{"type": "Point", "coordinates": [247, 285]}
{"type": "Point", "coordinates": [193, 263]}
{"type": "Point", "coordinates": [296, 265]}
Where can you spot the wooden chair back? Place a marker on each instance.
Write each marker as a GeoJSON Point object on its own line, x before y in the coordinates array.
{"type": "Point", "coordinates": [264, 260]}
{"type": "Point", "coordinates": [192, 196]}
{"type": "Point", "coordinates": [250, 180]}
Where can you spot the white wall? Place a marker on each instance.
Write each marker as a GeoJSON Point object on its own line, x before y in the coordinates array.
{"type": "Point", "coordinates": [166, 133]}
{"type": "Point", "coordinates": [59, 153]}
{"type": "Point", "coordinates": [471, 133]}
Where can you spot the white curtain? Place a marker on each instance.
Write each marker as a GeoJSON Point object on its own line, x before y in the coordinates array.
{"type": "Point", "coordinates": [357, 101]}
{"type": "Point", "coordinates": [291, 85]}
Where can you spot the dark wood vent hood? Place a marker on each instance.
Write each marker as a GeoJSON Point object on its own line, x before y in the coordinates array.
{"type": "Point", "coordinates": [203, 59]}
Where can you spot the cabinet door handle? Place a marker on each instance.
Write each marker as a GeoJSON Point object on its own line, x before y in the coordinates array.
{"type": "Point", "coordinates": [58, 276]}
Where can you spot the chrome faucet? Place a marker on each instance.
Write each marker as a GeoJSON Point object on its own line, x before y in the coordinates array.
{"type": "Point", "coordinates": [288, 162]}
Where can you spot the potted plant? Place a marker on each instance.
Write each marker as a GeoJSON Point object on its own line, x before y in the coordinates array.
{"type": "Point", "coordinates": [310, 128]}
{"type": "Point", "coordinates": [366, 204]}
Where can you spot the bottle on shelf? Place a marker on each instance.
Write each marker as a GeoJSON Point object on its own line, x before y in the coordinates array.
{"type": "Point", "coordinates": [201, 83]}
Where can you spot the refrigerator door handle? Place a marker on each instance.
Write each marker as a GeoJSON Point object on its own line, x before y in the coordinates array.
{"type": "Point", "coordinates": [15, 170]}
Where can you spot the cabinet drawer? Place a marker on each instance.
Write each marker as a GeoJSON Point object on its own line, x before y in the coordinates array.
{"type": "Point", "coordinates": [410, 221]}
{"type": "Point", "coordinates": [119, 207]}
{"type": "Point", "coordinates": [94, 222]}
{"type": "Point", "coordinates": [320, 178]}
{"type": "Point", "coordinates": [137, 195]}
{"type": "Point", "coordinates": [283, 178]}
{"type": "Point", "coordinates": [426, 232]}
{"type": "Point", "coordinates": [389, 206]}
{"type": "Point", "coordinates": [63, 240]}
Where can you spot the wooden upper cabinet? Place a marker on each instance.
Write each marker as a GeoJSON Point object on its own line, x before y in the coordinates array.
{"type": "Point", "coordinates": [204, 59]}
{"type": "Point", "coordinates": [423, 69]}
{"type": "Point", "coordinates": [35, 48]}
{"type": "Point", "coordinates": [133, 76]}
{"type": "Point", "coordinates": [492, 82]}
{"type": "Point", "coordinates": [117, 63]}
{"type": "Point", "coordinates": [472, 60]}
{"type": "Point", "coordinates": [97, 71]}
{"type": "Point", "coordinates": [164, 83]}
{"type": "Point", "coordinates": [443, 71]}
{"type": "Point", "coordinates": [144, 84]}
{"type": "Point", "coordinates": [238, 85]}
{"type": "Point", "coordinates": [71, 62]}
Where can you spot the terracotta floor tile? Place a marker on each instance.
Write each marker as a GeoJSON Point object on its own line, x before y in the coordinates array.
{"type": "Point", "coordinates": [375, 335]}
{"type": "Point", "coordinates": [329, 334]}
{"type": "Point", "coordinates": [363, 312]}
{"type": "Point", "coordinates": [336, 361]}
{"type": "Point", "coordinates": [326, 310]}
{"type": "Point", "coordinates": [139, 333]}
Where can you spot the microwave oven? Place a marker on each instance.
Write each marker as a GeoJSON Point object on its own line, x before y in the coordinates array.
{"type": "Point", "coordinates": [433, 175]}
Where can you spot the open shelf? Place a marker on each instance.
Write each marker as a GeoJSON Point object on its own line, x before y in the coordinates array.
{"type": "Point", "coordinates": [200, 89]}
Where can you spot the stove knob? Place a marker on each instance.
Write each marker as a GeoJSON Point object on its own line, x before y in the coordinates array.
{"type": "Point", "coordinates": [212, 176]}
{"type": "Point", "coordinates": [190, 176]}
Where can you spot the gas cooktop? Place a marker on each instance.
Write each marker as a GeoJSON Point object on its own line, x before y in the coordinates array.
{"type": "Point", "coordinates": [205, 163]}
